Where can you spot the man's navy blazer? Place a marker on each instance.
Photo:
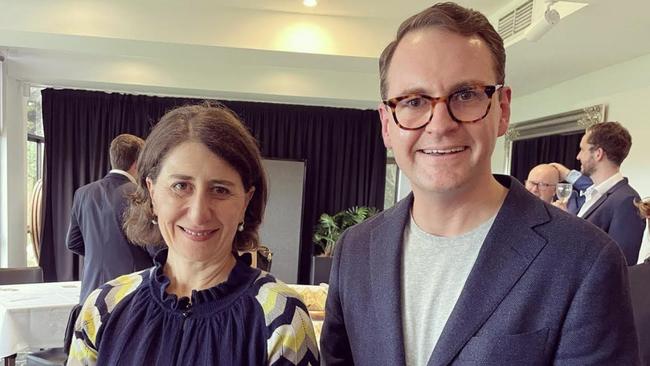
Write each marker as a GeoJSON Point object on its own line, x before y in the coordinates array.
{"type": "Point", "coordinates": [96, 233]}
{"type": "Point", "coordinates": [546, 288]}
{"type": "Point", "coordinates": [616, 214]}
{"type": "Point", "coordinates": [639, 280]}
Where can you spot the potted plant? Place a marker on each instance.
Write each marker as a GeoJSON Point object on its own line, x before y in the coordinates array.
{"type": "Point", "coordinates": [327, 233]}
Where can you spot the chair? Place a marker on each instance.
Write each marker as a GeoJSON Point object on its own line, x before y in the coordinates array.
{"type": "Point", "coordinates": [260, 258]}
{"type": "Point", "coordinates": [56, 356]}
{"type": "Point", "coordinates": [13, 276]}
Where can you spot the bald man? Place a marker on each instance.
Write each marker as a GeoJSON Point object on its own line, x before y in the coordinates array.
{"type": "Point", "coordinates": [542, 181]}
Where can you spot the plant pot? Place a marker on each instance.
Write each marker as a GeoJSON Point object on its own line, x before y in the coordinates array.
{"type": "Point", "coordinates": [320, 270]}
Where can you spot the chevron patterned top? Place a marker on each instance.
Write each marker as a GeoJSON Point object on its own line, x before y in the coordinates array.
{"type": "Point", "coordinates": [251, 319]}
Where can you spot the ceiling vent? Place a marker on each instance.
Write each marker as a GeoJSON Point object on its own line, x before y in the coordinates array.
{"type": "Point", "coordinates": [516, 20]}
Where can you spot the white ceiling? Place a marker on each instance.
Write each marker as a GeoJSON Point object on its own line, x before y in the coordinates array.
{"type": "Point", "coordinates": [279, 50]}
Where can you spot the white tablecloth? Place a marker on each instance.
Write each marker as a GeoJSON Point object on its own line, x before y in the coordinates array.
{"type": "Point", "coordinates": [35, 315]}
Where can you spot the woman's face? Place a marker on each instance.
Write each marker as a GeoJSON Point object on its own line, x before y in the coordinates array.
{"type": "Point", "coordinates": [199, 200]}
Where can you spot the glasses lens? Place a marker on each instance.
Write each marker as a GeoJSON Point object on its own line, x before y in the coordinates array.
{"type": "Point", "coordinates": [469, 104]}
{"type": "Point", "coordinates": [413, 111]}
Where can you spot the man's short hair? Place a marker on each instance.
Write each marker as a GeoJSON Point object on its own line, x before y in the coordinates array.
{"type": "Point", "coordinates": [124, 151]}
{"type": "Point", "coordinates": [613, 138]}
{"type": "Point", "coordinates": [453, 18]}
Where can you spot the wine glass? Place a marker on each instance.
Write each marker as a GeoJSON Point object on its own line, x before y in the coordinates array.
{"type": "Point", "coordinates": [563, 191]}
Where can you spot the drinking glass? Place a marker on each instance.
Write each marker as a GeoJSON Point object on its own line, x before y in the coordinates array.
{"type": "Point", "coordinates": [563, 191]}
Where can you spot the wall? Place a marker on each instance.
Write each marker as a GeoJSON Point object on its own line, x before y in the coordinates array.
{"type": "Point", "coordinates": [13, 169]}
{"type": "Point", "coordinates": [625, 89]}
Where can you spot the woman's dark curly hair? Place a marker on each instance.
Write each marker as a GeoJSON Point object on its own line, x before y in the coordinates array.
{"type": "Point", "coordinates": [223, 133]}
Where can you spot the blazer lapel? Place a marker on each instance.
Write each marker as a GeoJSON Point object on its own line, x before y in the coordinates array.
{"type": "Point", "coordinates": [385, 280]}
{"type": "Point", "coordinates": [603, 198]}
{"type": "Point", "coordinates": [509, 248]}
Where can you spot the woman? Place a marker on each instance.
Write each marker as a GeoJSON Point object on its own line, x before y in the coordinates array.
{"type": "Point", "coordinates": [201, 192]}
{"type": "Point", "coordinates": [639, 277]}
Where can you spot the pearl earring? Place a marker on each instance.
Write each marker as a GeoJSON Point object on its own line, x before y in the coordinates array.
{"type": "Point", "coordinates": [240, 228]}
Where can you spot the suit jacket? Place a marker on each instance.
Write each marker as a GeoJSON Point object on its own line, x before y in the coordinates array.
{"type": "Point", "coordinates": [546, 288]}
{"type": "Point", "coordinates": [615, 214]}
{"type": "Point", "coordinates": [639, 287]}
{"type": "Point", "coordinates": [96, 233]}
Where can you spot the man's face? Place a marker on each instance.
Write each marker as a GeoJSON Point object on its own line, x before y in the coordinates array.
{"type": "Point", "coordinates": [542, 182]}
{"type": "Point", "coordinates": [445, 155]}
{"type": "Point", "coordinates": [586, 156]}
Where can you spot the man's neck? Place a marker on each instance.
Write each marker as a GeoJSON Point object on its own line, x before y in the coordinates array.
{"type": "Point", "coordinates": [603, 173]}
{"type": "Point", "coordinates": [455, 213]}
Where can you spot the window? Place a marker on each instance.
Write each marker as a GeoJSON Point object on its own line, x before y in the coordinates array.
{"type": "Point", "coordinates": [392, 179]}
{"type": "Point", "coordinates": [35, 152]}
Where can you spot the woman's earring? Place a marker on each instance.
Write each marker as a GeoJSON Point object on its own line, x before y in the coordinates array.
{"type": "Point", "coordinates": [154, 221]}
{"type": "Point", "coordinates": [240, 228]}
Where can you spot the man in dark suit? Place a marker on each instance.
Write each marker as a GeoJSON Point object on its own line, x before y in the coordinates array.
{"type": "Point", "coordinates": [640, 291]}
{"type": "Point", "coordinates": [470, 268]}
{"type": "Point", "coordinates": [607, 200]}
{"type": "Point", "coordinates": [95, 230]}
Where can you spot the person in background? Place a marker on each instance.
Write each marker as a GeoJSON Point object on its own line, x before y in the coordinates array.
{"type": "Point", "coordinates": [470, 268]}
{"type": "Point", "coordinates": [201, 193]}
{"type": "Point", "coordinates": [542, 181]}
{"type": "Point", "coordinates": [97, 216]}
{"type": "Point", "coordinates": [640, 289]}
{"type": "Point", "coordinates": [609, 200]}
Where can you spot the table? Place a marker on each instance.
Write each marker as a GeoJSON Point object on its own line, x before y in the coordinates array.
{"type": "Point", "coordinates": [35, 315]}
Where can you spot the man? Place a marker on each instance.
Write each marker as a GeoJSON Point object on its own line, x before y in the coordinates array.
{"type": "Point", "coordinates": [95, 230]}
{"type": "Point", "coordinates": [639, 279]}
{"type": "Point", "coordinates": [469, 268]}
{"type": "Point", "coordinates": [542, 181]}
{"type": "Point", "coordinates": [608, 201]}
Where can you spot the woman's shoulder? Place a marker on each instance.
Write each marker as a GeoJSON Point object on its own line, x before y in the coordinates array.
{"type": "Point", "coordinates": [101, 302]}
{"type": "Point", "coordinates": [290, 331]}
{"type": "Point", "coordinates": [113, 292]}
{"type": "Point", "coordinates": [266, 285]}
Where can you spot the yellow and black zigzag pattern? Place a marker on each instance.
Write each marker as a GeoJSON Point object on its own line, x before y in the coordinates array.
{"type": "Point", "coordinates": [292, 340]}
{"type": "Point", "coordinates": [99, 304]}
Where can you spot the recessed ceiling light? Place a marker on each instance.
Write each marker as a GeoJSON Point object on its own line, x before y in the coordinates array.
{"type": "Point", "coordinates": [310, 3]}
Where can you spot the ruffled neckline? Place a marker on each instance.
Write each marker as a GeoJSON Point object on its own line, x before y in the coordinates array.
{"type": "Point", "coordinates": [205, 301]}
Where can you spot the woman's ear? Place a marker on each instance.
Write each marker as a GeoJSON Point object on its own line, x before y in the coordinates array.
{"type": "Point", "coordinates": [150, 188]}
{"type": "Point", "coordinates": [249, 195]}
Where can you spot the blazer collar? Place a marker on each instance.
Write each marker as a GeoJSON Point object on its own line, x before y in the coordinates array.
{"type": "Point", "coordinates": [602, 198]}
{"type": "Point", "coordinates": [508, 250]}
{"type": "Point", "coordinates": [385, 278]}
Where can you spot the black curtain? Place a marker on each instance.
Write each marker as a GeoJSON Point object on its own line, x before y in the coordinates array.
{"type": "Point", "coordinates": [344, 154]}
{"type": "Point", "coordinates": [528, 153]}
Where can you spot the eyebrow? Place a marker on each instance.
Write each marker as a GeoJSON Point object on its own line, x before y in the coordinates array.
{"type": "Point", "coordinates": [212, 181]}
{"type": "Point", "coordinates": [456, 87]}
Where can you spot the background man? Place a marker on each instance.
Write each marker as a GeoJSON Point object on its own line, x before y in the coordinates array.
{"type": "Point", "coordinates": [608, 200]}
{"type": "Point", "coordinates": [95, 230]}
{"type": "Point", "coordinates": [542, 181]}
{"type": "Point", "coordinates": [469, 268]}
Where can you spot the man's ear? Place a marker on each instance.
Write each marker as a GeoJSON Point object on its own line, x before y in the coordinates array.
{"type": "Point", "coordinates": [504, 104]}
{"type": "Point", "coordinates": [385, 117]}
{"type": "Point", "coordinates": [600, 154]}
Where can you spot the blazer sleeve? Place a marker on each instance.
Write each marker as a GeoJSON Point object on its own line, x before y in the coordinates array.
{"type": "Point", "coordinates": [74, 239]}
{"type": "Point", "coordinates": [626, 228]}
{"type": "Point", "coordinates": [334, 343]}
{"type": "Point", "coordinates": [599, 325]}
{"type": "Point", "coordinates": [582, 183]}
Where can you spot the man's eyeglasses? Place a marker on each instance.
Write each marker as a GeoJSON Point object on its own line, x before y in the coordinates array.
{"type": "Point", "coordinates": [471, 104]}
{"type": "Point", "coordinates": [541, 186]}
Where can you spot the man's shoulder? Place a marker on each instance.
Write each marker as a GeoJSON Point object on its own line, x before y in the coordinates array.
{"type": "Point", "coordinates": [567, 233]}
{"type": "Point", "coordinates": [623, 190]}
